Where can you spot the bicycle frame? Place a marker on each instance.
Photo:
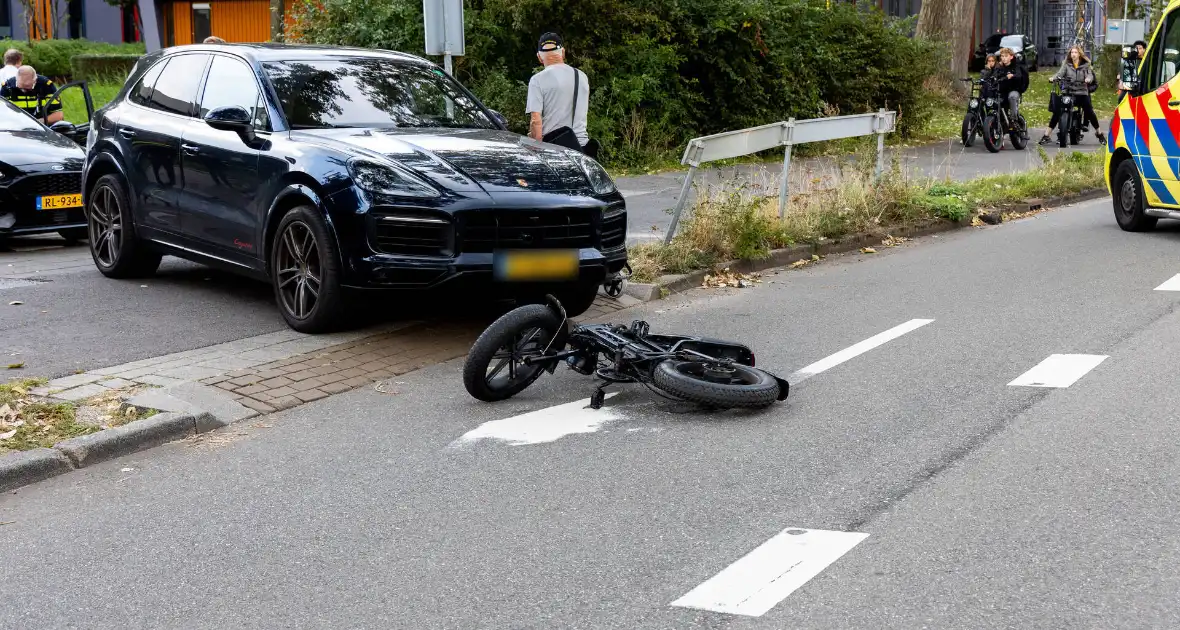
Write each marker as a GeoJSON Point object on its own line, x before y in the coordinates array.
{"type": "Point", "coordinates": [631, 352]}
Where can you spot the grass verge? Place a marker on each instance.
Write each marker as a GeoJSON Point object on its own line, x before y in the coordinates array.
{"type": "Point", "coordinates": [28, 421]}
{"type": "Point", "coordinates": [740, 221]}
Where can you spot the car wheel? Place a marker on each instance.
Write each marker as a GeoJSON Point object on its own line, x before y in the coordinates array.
{"type": "Point", "coordinates": [74, 236]}
{"type": "Point", "coordinates": [305, 272]}
{"type": "Point", "coordinates": [1129, 204]}
{"type": "Point", "coordinates": [579, 299]}
{"type": "Point", "coordinates": [113, 246]}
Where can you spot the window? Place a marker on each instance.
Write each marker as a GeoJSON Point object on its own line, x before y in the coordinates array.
{"type": "Point", "coordinates": [176, 91]}
{"type": "Point", "coordinates": [230, 82]}
{"type": "Point", "coordinates": [1164, 56]}
{"type": "Point", "coordinates": [5, 20]}
{"type": "Point", "coordinates": [141, 94]}
{"type": "Point", "coordinates": [202, 22]}
{"type": "Point", "coordinates": [371, 92]}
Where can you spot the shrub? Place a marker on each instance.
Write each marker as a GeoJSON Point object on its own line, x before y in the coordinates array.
{"type": "Point", "coordinates": [51, 57]}
{"type": "Point", "coordinates": [663, 71]}
{"type": "Point", "coordinates": [107, 68]}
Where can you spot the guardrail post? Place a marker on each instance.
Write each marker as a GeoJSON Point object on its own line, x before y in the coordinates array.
{"type": "Point", "coordinates": [788, 140]}
{"type": "Point", "coordinates": [880, 143]}
{"type": "Point", "coordinates": [693, 150]}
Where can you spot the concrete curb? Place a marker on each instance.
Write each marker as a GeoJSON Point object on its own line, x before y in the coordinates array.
{"type": "Point", "coordinates": [647, 292]}
{"type": "Point", "coordinates": [186, 410]}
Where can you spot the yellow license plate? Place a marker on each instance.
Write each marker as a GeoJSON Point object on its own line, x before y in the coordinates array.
{"type": "Point", "coordinates": [537, 265]}
{"type": "Point", "coordinates": [59, 202]}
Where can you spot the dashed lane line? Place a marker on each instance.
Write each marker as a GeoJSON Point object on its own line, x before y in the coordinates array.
{"type": "Point", "coordinates": [764, 577]}
{"type": "Point", "coordinates": [856, 350]}
{"type": "Point", "coordinates": [1059, 370]}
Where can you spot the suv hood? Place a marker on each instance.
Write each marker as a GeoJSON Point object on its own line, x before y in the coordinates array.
{"type": "Point", "coordinates": [24, 147]}
{"type": "Point", "coordinates": [463, 160]}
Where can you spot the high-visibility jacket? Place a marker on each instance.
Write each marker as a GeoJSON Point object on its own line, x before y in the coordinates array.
{"type": "Point", "coordinates": [29, 100]}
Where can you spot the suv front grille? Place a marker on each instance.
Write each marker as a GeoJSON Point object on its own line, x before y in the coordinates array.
{"type": "Point", "coordinates": [54, 184]}
{"type": "Point", "coordinates": [486, 231]}
{"type": "Point", "coordinates": [614, 228]}
{"type": "Point", "coordinates": [412, 235]}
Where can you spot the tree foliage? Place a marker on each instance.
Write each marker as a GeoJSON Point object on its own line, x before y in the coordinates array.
{"type": "Point", "coordinates": [662, 71]}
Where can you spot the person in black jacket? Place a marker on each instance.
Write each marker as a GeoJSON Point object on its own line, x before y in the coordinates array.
{"type": "Point", "coordinates": [1014, 81]}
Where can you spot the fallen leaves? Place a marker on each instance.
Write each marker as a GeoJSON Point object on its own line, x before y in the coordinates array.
{"type": "Point", "coordinates": [868, 250]}
{"type": "Point", "coordinates": [15, 366]}
{"type": "Point", "coordinates": [799, 264]}
{"type": "Point", "coordinates": [894, 241]}
{"type": "Point", "coordinates": [726, 278]}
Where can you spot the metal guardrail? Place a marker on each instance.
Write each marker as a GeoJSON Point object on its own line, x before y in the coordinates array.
{"type": "Point", "coordinates": [731, 144]}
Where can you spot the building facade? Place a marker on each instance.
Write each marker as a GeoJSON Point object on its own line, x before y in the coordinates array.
{"type": "Point", "coordinates": [178, 21]}
{"type": "Point", "coordinates": [61, 19]}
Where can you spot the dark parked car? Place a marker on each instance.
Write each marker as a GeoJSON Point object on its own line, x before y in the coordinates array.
{"type": "Point", "coordinates": [1022, 45]}
{"type": "Point", "coordinates": [40, 175]}
{"type": "Point", "coordinates": [326, 169]}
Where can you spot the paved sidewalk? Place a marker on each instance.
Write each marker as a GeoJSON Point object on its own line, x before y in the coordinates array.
{"type": "Point", "coordinates": [283, 369]}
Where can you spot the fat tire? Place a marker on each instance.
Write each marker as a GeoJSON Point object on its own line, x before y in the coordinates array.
{"type": "Point", "coordinates": [1063, 129]}
{"type": "Point", "coordinates": [1137, 220]}
{"type": "Point", "coordinates": [1019, 140]}
{"type": "Point", "coordinates": [762, 393]}
{"type": "Point", "coordinates": [991, 139]}
{"type": "Point", "coordinates": [135, 260]}
{"type": "Point", "coordinates": [967, 132]}
{"type": "Point", "coordinates": [501, 332]}
{"type": "Point", "coordinates": [328, 311]}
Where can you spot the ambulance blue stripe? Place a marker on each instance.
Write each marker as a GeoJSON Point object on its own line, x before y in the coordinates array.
{"type": "Point", "coordinates": [1166, 137]}
{"type": "Point", "coordinates": [1162, 192]}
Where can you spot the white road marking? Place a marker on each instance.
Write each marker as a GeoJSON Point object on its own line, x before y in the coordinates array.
{"type": "Point", "coordinates": [1172, 284]}
{"type": "Point", "coordinates": [1059, 370]}
{"type": "Point", "coordinates": [767, 575]}
{"type": "Point", "coordinates": [635, 193]}
{"type": "Point", "coordinates": [544, 425]}
{"type": "Point", "coordinates": [856, 350]}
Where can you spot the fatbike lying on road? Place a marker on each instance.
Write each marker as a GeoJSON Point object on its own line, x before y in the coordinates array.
{"type": "Point", "coordinates": [513, 352]}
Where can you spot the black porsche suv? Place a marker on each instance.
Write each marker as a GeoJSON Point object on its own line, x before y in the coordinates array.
{"type": "Point", "coordinates": [328, 169]}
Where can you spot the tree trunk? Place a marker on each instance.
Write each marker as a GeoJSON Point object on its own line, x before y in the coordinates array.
{"type": "Point", "coordinates": [949, 22]}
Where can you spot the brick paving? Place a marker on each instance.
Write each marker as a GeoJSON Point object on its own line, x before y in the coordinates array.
{"type": "Point", "coordinates": [283, 369]}
{"type": "Point", "coordinates": [307, 377]}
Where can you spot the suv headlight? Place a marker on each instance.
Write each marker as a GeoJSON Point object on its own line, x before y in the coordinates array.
{"type": "Point", "coordinates": [600, 182]}
{"type": "Point", "coordinates": [387, 179]}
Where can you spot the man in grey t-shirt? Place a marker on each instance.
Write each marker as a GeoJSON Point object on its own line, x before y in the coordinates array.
{"type": "Point", "coordinates": [551, 94]}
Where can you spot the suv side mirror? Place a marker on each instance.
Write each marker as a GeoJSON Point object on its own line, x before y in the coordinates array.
{"type": "Point", "coordinates": [232, 118]}
{"type": "Point", "coordinates": [64, 127]}
{"type": "Point", "coordinates": [499, 118]}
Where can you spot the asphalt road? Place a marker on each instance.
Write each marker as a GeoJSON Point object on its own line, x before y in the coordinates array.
{"type": "Point", "coordinates": [74, 319]}
{"type": "Point", "coordinates": [985, 504]}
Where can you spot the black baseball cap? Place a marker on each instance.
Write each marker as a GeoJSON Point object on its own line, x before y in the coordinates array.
{"type": "Point", "coordinates": [549, 41]}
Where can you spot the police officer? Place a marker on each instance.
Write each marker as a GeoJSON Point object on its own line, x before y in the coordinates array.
{"type": "Point", "coordinates": [29, 90]}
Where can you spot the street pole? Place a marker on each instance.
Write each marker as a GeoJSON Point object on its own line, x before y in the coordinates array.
{"type": "Point", "coordinates": [692, 170]}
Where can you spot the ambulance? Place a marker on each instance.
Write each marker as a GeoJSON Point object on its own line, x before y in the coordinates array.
{"type": "Point", "coordinates": [1142, 165]}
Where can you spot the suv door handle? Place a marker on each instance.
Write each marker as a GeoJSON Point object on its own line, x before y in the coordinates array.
{"type": "Point", "coordinates": [190, 149]}
{"type": "Point", "coordinates": [127, 133]}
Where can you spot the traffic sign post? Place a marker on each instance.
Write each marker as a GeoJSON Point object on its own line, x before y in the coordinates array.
{"type": "Point", "coordinates": [444, 29]}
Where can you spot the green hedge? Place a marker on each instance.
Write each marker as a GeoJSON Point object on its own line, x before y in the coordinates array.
{"type": "Point", "coordinates": [52, 57]}
{"type": "Point", "coordinates": [109, 68]}
{"type": "Point", "coordinates": [664, 71]}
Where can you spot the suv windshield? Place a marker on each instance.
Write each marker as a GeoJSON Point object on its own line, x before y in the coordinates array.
{"type": "Point", "coordinates": [366, 92]}
{"type": "Point", "coordinates": [13, 119]}
{"type": "Point", "coordinates": [1015, 42]}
